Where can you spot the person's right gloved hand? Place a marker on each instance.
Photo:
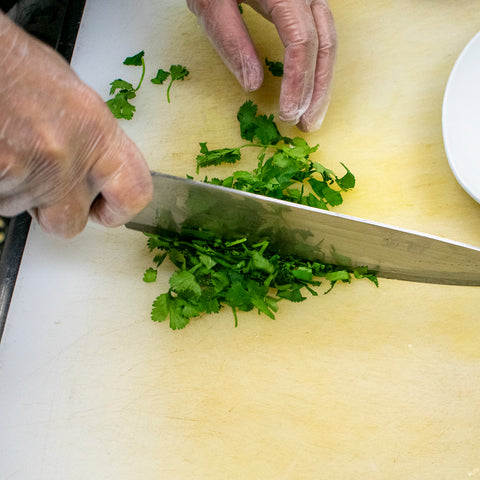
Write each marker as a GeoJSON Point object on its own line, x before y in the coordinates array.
{"type": "Point", "coordinates": [63, 156]}
{"type": "Point", "coordinates": [307, 30]}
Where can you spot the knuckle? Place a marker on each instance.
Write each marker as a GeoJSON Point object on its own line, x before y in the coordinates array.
{"type": "Point", "coordinates": [121, 200]}
{"type": "Point", "coordinates": [10, 206]}
{"type": "Point", "coordinates": [65, 219]}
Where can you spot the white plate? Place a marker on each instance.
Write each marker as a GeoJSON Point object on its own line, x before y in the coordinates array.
{"type": "Point", "coordinates": [461, 118]}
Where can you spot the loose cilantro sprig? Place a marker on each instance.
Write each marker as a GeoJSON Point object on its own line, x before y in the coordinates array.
{"type": "Point", "coordinates": [276, 68]}
{"type": "Point", "coordinates": [213, 273]}
{"type": "Point", "coordinates": [119, 104]}
{"type": "Point", "coordinates": [177, 72]}
{"type": "Point", "coordinates": [284, 170]}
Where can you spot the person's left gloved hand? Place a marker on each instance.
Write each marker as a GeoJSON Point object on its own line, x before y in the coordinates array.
{"type": "Point", "coordinates": [307, 31]}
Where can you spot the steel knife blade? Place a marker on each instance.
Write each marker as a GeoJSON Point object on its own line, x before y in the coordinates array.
{"type": "Point", "coordinates": [182, 205]}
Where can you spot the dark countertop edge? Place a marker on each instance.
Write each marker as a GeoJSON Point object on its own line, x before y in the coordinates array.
{"type": "Point", "coordinates": [11, 258]}
{"type": "Point", "coordinates": [19, 226]}
{"type": "Point", "coordinates": [71, 25]}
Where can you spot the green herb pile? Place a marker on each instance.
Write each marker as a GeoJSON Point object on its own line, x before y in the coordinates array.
{"type": "Point", "coordinates": [213, 272]}
{"type": "Point", "coordinates": [284, 170]}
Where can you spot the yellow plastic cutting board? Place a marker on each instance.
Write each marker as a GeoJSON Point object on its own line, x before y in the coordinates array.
{"type": "Point", "coordinates": [360, 383]}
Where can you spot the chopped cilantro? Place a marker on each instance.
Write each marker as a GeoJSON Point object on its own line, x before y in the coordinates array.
{"type": "Point", "coordinates": [212, 274]}
{"type": "Point", "coordinates": [287, 173]}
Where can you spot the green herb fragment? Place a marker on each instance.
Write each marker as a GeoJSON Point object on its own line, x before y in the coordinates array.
{"type": "Point", "coordinates": [276, 68]}
{"type": "Point", "coordinates": [150, 275]}
{"type": "Point", "coordinates": [212, 274]}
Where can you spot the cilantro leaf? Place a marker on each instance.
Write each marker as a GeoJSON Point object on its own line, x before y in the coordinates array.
{"type": "Point", "coordinates": [342, 275]}
{"type": "Point", "coordinates": [150, 275]}
{"type": "Point", "coordinates": [362, 272]}
{"type": "Point", "coordinates": [325, 192]}
{"type": "Point", "coordinates": [303, 273]}
{"type": "Point", "coordinates": [259, 262]}
{"type": "Point", "coordinates": [216, 157]}
{"type": "Point", "coordinates": [135, 60]}
{"type": "Point", "coordinates": [347, 181]}
{"type": "Point", "coordinates": [178, 72]}
{"type": "Point", "coordinates": [161, 308]}
{"type": "Point", "coordinates": [120, 106]}
{"type": "Point", "coordinates": [276, 68]}
{"type": "Point", "coordinates": [261, 127]}
{"type": "Point", "coordinates": [267, 131]}
{"type": "Point", "coordinates": [246, 116]}
{"type": "Point", "coordinates": [120, 84]}
{"type": "Point", "coordinates": [180, 313]}
{"type": "Point", "coordinates": [292, 294]}
{"type": "Point", "coordinates": [161, 76]}
{"type": "Point", "coordinates": [184, 284]}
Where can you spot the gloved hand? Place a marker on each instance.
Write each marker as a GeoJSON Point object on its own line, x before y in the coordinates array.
{"type": "Point", "coordinates": [307, 31]}
{"type": "Point", "coordinates": [63, 156]}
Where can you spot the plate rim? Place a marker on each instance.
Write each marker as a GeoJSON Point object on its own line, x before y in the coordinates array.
{"type": "Point", "coordinates": [474, 193]}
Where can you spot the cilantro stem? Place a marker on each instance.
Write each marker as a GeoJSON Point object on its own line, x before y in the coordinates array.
{"type": "Point", "coordinates": [168, 90]}
{"type": "Point", "coordinates": [224, 260]}
{"type": "Point", "coordinates": [142, 77]}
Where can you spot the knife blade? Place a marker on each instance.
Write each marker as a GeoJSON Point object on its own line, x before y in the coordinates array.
{"type": "Point", "coordinates": [182, 205]}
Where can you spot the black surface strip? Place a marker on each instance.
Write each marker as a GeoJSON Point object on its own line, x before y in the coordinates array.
{"type": "Point", "coordinates": [10, 260]}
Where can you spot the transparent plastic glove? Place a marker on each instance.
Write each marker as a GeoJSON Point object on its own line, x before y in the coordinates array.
{"type": "Point", "coordinates": [307, 30]}
{"type": "Point", "coordinates": [63, 156]}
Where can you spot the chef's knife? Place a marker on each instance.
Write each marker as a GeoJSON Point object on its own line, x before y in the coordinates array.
{"type": "Point", "coordinates": [184, 205]}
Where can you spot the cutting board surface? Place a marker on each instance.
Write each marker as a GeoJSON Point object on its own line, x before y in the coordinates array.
{"type": "Point", "coordinates": [360, 383]}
